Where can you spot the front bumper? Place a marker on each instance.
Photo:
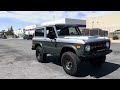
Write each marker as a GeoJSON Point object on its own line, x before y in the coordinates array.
{"type": "Point", "coordinates": [98, 54]}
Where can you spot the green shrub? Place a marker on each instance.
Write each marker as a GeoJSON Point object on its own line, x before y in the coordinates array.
{"type": "Point", "coordinates": [115, 37]}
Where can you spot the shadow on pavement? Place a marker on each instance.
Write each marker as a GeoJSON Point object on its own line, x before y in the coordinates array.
{"type": "Point", "coordinates": [107, 68]}
{"type": "Point", "coordinates": [86, 69]}
{"type": "Point", "coordinates": [54, 60]}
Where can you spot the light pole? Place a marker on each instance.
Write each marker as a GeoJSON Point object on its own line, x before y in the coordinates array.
{"type": "Point", "coordinates": [98, 28]}
{"type": "Point", "coordinates": [92, 27]}
{"type": "Point", "coordinates": [92, 24]}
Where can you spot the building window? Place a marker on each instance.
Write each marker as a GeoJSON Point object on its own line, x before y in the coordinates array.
{"type": "Point", "coordinates": [39, 32]}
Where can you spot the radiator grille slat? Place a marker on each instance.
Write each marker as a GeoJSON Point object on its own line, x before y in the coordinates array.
{"type": "Point", "coordinates": [96, 46]}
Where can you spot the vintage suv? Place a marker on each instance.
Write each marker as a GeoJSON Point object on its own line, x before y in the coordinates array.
{"type": "Point", "coordinates": [66, 41]}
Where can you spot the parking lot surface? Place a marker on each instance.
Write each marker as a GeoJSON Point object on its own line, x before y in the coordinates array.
{"type": "Point", "coordinates": [17, 61]}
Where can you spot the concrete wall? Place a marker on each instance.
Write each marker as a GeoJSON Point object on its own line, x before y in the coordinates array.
{"type": "Point", "coordinates": [59, 21]}
{"type": "Point", "coordinates": [75, 21]}
{"type": "Point", "coordinates": [65, 21]}
{"type": "Point", "coordinates": [107, 22]}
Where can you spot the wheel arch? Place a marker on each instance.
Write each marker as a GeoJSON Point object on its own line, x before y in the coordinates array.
{"type": "Point", "coordinates": [38, 44]}
{"type": "Point", "coordinates": [69, 48]}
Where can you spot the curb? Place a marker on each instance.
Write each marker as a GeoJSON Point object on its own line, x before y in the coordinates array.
{"type": "Point", "coordinates": [115, 41]}
{"type": "Point", "coordinates": [14, 38]}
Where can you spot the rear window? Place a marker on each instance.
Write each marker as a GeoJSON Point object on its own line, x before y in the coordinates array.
{"type": "Point", "coordinates": [39, 32]}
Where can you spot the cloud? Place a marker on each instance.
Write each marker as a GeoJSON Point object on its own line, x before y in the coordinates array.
{"type": "Point", "coordinates": [37, 17]}
{"type": "Point", "coordinates": [98, 13]}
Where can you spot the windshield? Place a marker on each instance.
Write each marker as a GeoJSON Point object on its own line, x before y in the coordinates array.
{"type": "Point", "coordinates": [67, 30]}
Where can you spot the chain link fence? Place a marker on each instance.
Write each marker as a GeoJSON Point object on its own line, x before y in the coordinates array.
{"type": "Point", "coordinates": [93, 32]}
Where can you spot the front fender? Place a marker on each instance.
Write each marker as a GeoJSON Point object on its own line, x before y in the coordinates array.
{"type": "Point", "coordinates": [72, 47]}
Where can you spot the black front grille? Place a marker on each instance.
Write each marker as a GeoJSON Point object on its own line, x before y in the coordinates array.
{"type": "Point", "coordinates": [97, 46]}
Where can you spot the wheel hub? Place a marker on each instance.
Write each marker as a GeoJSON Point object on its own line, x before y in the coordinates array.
{"type": "Point", "coordinates": [68, 65]}
{"type": "Point", "coordinates": [38, 55]}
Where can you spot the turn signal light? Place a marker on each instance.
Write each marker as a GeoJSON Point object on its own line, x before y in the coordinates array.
{"type": "Point", "coordinates": [78, 46]}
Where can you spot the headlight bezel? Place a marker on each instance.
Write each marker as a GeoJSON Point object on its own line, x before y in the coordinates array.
{"type": "Point", "coordinates": [87, 48]}
{"type": "Point", "coordinates": [107, 44]}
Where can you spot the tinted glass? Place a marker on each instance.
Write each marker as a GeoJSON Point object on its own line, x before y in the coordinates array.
{"type": "Point", "coordinates": [39, 32]}
{"type": "Point", "coordinates": [67, 30]}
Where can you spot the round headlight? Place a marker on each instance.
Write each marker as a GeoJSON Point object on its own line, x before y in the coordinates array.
{"type": "Point", "coordinates": [107, 44]}
{"type": "Point", "coordinates": [87, 48]}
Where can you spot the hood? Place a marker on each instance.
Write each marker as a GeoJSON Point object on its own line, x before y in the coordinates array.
{"type": "Point", "coordinates": [87, 38]}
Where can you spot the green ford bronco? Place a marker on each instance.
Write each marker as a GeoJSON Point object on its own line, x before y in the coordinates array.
{"type": "Point", "coordinates": [67, 42]}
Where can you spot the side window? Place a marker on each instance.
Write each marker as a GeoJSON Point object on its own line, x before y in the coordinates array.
{"type": "Point", "coordinates": [72, 31]}
{"type": "Point", "coordinates": [67, 30]}
{"type": "Point", "coordinates": [50, 31]}
{"type": "Point", "coordinates": [39, 32]}
{"type": "Point", "coordinates": [63, 31]}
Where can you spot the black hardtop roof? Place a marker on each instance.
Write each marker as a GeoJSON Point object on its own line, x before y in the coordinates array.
{"type": "Point", "coordinates": [58, 25]}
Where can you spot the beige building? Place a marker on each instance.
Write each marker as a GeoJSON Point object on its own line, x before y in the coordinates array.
{"type": "Point", "coordinates": [106, 22]}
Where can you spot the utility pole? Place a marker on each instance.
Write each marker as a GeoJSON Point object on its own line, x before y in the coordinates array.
{"type": "Point", "coordinates": [98, 29]}
{"type": "Point", "coordinates": [92, 27]}
{"type": "Point", "coordinates": [92, 24]}
{"type": "Point", "coordinates": [89, 32]}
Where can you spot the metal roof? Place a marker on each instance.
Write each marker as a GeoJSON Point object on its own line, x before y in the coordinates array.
{"type": "Point", "coordinates": [61, 25]}
{"type": "Point", "coordinates": [64, 21]}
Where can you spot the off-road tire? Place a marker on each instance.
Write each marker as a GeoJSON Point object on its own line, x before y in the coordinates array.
{"type": "Point", "coordinates": [74, 59]}
{"type": "Point", "coordinates": [40, 56]}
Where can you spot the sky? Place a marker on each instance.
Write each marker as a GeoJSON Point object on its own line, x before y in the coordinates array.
{"type": "Point", "coordinates": [20, 19]}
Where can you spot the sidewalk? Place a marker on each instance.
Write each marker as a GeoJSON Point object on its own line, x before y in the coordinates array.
{"type": "Point", "coordinates": [14, 38]}
{"type": "Point", "coordinates": [20, 38]}
{"type": "Point", "coordinates": [115, 41]}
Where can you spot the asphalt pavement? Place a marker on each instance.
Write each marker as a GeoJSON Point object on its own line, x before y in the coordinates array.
{"type": "Point", "coordinates": [17, 61]}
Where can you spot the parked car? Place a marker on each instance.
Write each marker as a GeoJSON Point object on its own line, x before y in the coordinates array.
{"type": "Point", "coordinates": [25, 36]}
{"type": "Point", "coordinates": [4, 37]}
{"type": "Point", "coordinates": [28, 37]}
{"type": "Point", "coordinates": [66, 42]}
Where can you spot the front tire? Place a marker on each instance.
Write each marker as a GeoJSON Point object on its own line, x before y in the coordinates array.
{"type": "Point", "coordinates": [98, 62]}
{"type": "Point", "coordinates": [41, 57]}
{"type": "Point", "coordinates": [70, 63]}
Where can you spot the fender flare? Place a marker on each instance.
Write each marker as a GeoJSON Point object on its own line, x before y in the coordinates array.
{"type": "Point", "coordinates": [72, 47]}
{"type": "Point", "coordinates": [38, 44]}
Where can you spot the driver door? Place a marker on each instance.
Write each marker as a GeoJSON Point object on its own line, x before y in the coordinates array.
{"type": "Point", "coordinates": [50, 44]}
